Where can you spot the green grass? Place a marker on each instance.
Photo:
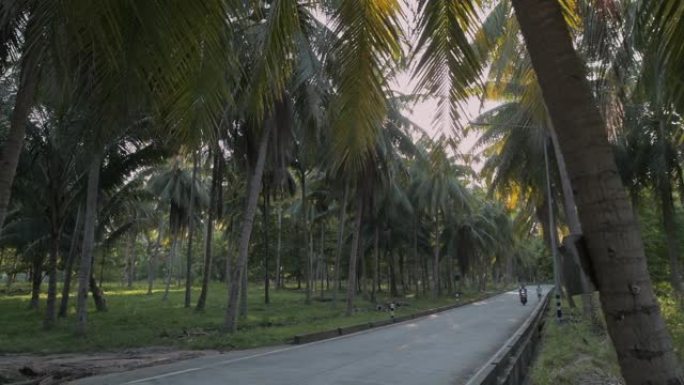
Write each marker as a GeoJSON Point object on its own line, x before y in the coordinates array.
{"type": "Point", "coordinates": [136, 319]}
{"type": "Point", "coordinates": [674, 317]}
{"type": "Point", "coordinates": [574, 352]}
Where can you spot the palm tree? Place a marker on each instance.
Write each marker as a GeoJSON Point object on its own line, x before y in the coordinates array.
{"type": "Point", "coordinates": [438, 189]}
{"type": "Point", "coordinates": [174, 186]}
{"type": "Point", "coordinates": [611, 233]}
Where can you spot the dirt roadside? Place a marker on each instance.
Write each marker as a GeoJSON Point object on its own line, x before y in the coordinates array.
{"type": "Point", "coordinates": [60, 368]}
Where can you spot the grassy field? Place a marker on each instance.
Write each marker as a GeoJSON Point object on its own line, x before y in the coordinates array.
{"type": "Point", "coordinates": [136, 319]}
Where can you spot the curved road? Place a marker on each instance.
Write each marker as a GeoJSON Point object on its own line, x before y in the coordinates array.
{"type": "Point", "coordinates": [443, 348]}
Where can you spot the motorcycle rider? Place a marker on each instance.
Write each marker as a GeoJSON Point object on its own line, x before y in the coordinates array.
{"type": "Point", "coordinates": [539, 291]}
{"type": "Point", "coordinates": [522, 292]}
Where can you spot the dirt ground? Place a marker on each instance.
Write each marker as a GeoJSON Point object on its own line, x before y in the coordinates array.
{"type": "Point", "coordinates": [59, 368]}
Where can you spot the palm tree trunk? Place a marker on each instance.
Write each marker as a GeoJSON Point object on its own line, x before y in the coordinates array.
{"type": "Point", "coordinates": [267, 279]}
{"type": "Point", "coordinates": [191, 231]}
{"type": "Point", "coordinates": [50, 307]}
{"type": "Point", "coordinates": [171, 262]}
{"type": "Point", "coordinates": [13, 143]}
{"type": "Point", "coordinates": [570, 209]}
{"type": "Point", "coordinates": [436, 288]}
{"type": "Point", "coordinates": [278, 276]}
{"type": "Point", "coordinates": [69, 266]}
{"type": "Point", "coordinates": [36, 281]}
{"type": "Point", "coordinates": [340, 241]}
{"type": "Point", "coordinates": [130, 260]}
{"type": "Point", "coordinates": [322, 260]}
{"type": "Point", "coordinates": [209, 231]}
{"type": "Point", "coordinates": [391, 259]}
{"type": "Point", "coordinates": [98, 295]}
{"type": "Point", "coordinates": [307, 235]}
{"type": "Point", "coordinates": [244, 285]}
{"type": "Point", "coordinates": [353, 255]}
{"type": "Point", "coordinates": [254, 189]}
{"type": "Point", "coordinates": [154, 256]}
{"type": "Point", "coordinates": [670, 226]}
{"type": "Point", "coordinates": [615, 248]}
{"type": "Point", "coordinates": [85, 268]}
{"type": "Point", "coordinates": [376, 252]}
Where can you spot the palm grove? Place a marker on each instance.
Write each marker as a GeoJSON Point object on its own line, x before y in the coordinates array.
{"type": "Point", "coordinates": [220, 139]}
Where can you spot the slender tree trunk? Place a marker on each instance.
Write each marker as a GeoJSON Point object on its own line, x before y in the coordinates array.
{"type": "Point", "coordinates": [209, 230]}
{"type": "Point", "coordinates": [98, 295]}
{"type": "Point", "coordinates": [191, 231]}
{"type": "Point", "coordinates": [36, 281]}
{"type": "Point", "coordinates": [403, 274]}
{"type": "Point", "coordinates": [635, 324]}
{"type": "Point", "coordinates": [323, 260]}
{"type": "Point", "coordinates": [353, 255]}
{"type": "Point", "coordinates": [436, 289]}
{"type": "Point", "coordinates": [267, 279]}
{"type": "Point", "coordinates": [84, 272]}
{"type": "Point", "coordinates": [244, 285]}
{"type": "Point", "coordinates": [672, 241]}
{"type": "Point", "coordinates": [154, 256]}
{"type": "Point", "coordinates": [307, 235]}
{"type": "Point", "coordinates": [254, 189]}
{"type": "Point", "coordinates": [340, 241]}
{"type": "Point", "coordinates": [376, 263]}
{"type": "Point", "coordinates": [50, 308]}
{"type": "Point", "coordinates": [450, 275]}
{"type": "Point", "coordinates": [278, 276]}
{"type": "Point", "coordinates": [570, 209]}
{"type": "Point", "coordinates": [130, 260]}
{"type": "Point", "coordinates": [171, 262]}
{"type": "Point", "coordinates": [69, 266]}
{"type": "Point", "coordinates": [14, 142]}
{"type": "Point", "coordinates": [391, 259]}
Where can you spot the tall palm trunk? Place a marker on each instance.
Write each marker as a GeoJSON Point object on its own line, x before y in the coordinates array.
{"type": "Point", "coordinates": [267, 279]}
{"type": "Point", "coordinates": [50, 307]}
{"type": "Point", "coordinates": [84, 271]}
{"type": "Point", "coordinates": [213, 208]}
{"type": "Point", "coordinates": [307, 235]}
{"type": "Point", "coordinates": [130, 260]}
{"type": "Point", "coordinates": [69, 267]}
{"type": "Point", "coordinates": [391, 261]}
{"type": "Point", "coordinates": [254, 189]}
{"type": "Point", "coordinates": [98, 295]}
{"type": "Point", "coordinates": [635, 324]}
{"type": "Point", "coordinates": [11, 147]}
{"type": "Point", "coordinates": [340, 241]}
{"type": "Point", "coordinates": [244, 284]}
{"type": "Point", "coordinates": [353, 255]}
{"type": "Point", "coordinates": [667, 203]}
{"type": "Point", "coordinates": [570, 209]}
{"type": "Point", "coordinates": [376, 263]}
{"type": "Point", "coordinates": [154, 255]}
{"type": "Point", "coordinates": [36, 281]}
{"type": "Point", "coordinates": [191, 232]}
{"type": "Point", "coordinates": [278, 275]}
{"type": "Point", "coordinates": [671, 239]}
{"type": "Point", "coordinates": [171, 262]}
{"type": "Point", "coordinates": [436, 288]}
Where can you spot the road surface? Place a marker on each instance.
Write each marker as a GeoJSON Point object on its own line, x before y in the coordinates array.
{"type": "Point", "coordinates": [443, 348]}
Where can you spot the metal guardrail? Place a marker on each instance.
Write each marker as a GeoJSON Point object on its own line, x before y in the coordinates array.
{"type": "Point", "coordinates": [509, 365]}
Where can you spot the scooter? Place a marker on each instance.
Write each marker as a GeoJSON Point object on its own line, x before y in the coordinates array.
{"type": "Point", "coordinates": [523, 297]}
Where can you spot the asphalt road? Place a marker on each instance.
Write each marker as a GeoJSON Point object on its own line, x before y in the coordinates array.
{"type": "Point", "coordinates": [444, 348]}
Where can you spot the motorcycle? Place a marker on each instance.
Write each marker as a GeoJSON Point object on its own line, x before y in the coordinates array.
{"type": "Point", "coordinates": [523, 297]}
